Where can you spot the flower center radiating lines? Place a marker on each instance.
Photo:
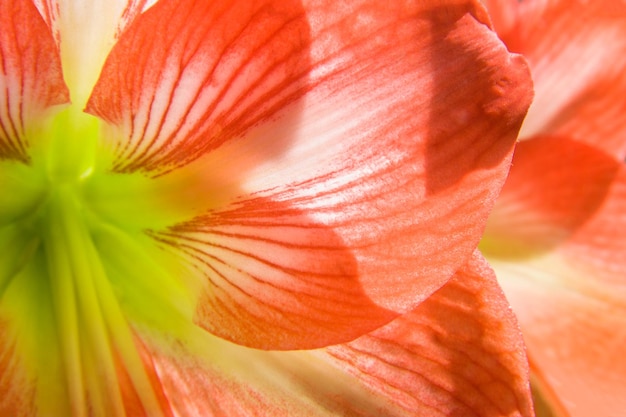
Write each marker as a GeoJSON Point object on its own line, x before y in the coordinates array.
{"type": "Point", "coordinates": [53, 220]}
{"type": "Point", "coordinates": [96, 340]}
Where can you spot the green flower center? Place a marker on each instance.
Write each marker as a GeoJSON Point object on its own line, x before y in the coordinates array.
{"type": "Point", "coordinates": [78, 267]}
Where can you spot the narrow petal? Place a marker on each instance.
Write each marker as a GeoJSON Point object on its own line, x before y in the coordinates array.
{"type": "Point", "coordinates": [346, 186]}
{"type": "Point", "coordinates": [577, 55]}
{"type": "Point", "coordinates": [574, 329]}
{"type": "Point", "coordinates": [459, 353]}
{"type": "Point", "coordinates": [555, 186]}
{"type": "Point", "coordinates": [30, 75]}
{"type": "Point", "coordinates": [85, 33]}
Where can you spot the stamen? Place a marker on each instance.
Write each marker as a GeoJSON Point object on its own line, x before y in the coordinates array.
{"type": "Point", "coordinates": [92, 327]}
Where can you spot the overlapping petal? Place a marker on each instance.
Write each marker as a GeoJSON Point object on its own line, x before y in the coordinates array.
{"type": "Point", "coordinates": [458, 353]}
{"type": "Point", "coordinates": [85, 32]}
{"type": "Point", "coordinates": [573, 326]}
{"type": "Point", "coordinates": [30, 75]}
{"type": "Point", "coordinates": [597, 248]}
{"type": "Point", "coordinates": [365, 145]}
{"type": "Point", "coordinates": [576, 54]}
{"type": "Point", "coordinates": [561, 215]}
{"type": "Point", "coordinates": [569, 294]}
{"type": "Point", "coordinates": [555, 186]}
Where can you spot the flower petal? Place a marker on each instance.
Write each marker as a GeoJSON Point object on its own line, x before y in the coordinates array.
{"type": "Point", "coordinates": [352, 188]}
{"type": "Point", "coordinates": [210, 72]}
{"type": "Point", "coordinates": [574, 329]}
{"type": "Point", "coordinates": [275, 278]}
{"type": "Point", "coordinates": [459, 353]}
{"type": "Point", "coordinates": [242, 64]}
{"type": "Point", "coordinates": [597, 248]}
{"type": "Point", "coordinates": [555, 185]}
{"type": "Point", "coordinates": [85, 33]}
{"type": "Point", "coordinates": [30, 75]}
{"type": "Point", "coordinates": [577, 55]}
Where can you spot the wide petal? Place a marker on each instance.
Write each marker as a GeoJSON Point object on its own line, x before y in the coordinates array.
{"type": "Point", "coordinates": [577, 54]}
{"type": "Point", "coordinates": [555, 186]}
{"type": "Point", "coordinates": [459, 353]}
{"type": "Point", "coordinates": [336, 181]}
{"type": "Point", "coordinates": [573, 326]}
{"type": "Point", "coordinates": [85, 32]}
{"type": "Point", "coordinates": [242, 64]}
{"type": "Point", "coordinates": [30, 75]}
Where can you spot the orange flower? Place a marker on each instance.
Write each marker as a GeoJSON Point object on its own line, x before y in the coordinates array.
{"type": "Point", "coordinates": [251, 177]}
{"type": "Point", "coordinates": [556, 238]}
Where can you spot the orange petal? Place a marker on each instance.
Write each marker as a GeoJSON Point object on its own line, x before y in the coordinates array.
{"type": "Point", "coordinates": [210, 72]}
{"type": "Point", "coordinates": [577, 54]}
{"type": "Point", "coordinates": [554, 187]}
{"type": "Point", "coordinates": [30, 76]}
{"type": "Point", "coordinates": [189, 87]}
{"type": "Point", "coordinates": [598, 247]}
{"type": "Point", "coordinates": [574, 329]}
{"type": "Point", "coordinates": [346, 185]}
{"type": "Point", "coordinates": [459, 353]}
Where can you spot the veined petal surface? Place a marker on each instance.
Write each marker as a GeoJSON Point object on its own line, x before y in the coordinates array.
{"type": "Point", "coordinates": [458, 353]}
{"type": "Point", "coordinates": [362, 147]}
{"type": "Point", "coordinates": [85, 32]}
{"type": "Point", "coordinates": [577, 54]}
{"type": "Point", "coordinates": [30, 75]}
{"type": "Point", "coordinates": [556, 242]}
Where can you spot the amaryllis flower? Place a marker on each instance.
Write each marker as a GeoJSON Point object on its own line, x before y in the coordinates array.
{"type": "Point", "coordinates": [239, 208]}
{"type": "Point", "coordinates": [557, 237]}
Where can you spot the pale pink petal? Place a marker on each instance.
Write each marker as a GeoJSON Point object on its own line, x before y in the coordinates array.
{"type": "Point", "coordinates": [30, 75]}
{"type": "Point", "coordinates": [459, 353]}
{"type": "Point", "coordinates": [577, 54]}
{"type": "Point", "coordinates": [554, 187]}
{"type": "Point", "coordinates": [366, 144]}
{"type": "Point", "coordinates": [574, 328]}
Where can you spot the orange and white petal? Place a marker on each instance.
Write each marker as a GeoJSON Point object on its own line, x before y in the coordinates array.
{"type": "Point", "coordinates": [85, 32]}
{"type": "Point", "coordinates": [193, 85]}
{"type": "Point", "coordinates": [577, 54]}
{"type": "Point", "coordinates": [363, 145]}
{"type": "Point", "coordinates": [459, 353]}
{"type": "Point", "coordinates": [30, 75]}
{"type": "Point", "coordinates": [555, 186]}
{"type": "Point", "coordinates": [573, 326]}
